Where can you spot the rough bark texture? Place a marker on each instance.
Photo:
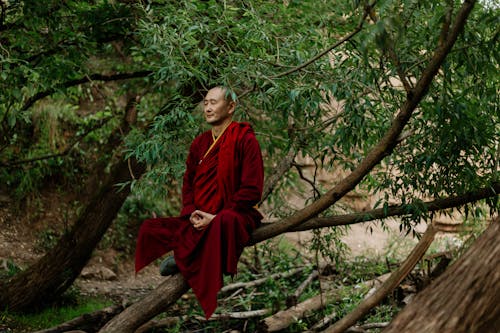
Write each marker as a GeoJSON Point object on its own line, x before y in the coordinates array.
{"type": "Point", "coordinates": [55, 272]}
{"type": "Point", "coordinates": [465, 299]}
{"type": "Point", "coordinates": [155, 302]}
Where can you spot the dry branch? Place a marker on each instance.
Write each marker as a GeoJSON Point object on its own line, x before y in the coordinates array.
{"type": "Point", "coordinates": [152, 304]}
{"type": "Point", "coordinates": [388, 286]}
{"type": "Point", "coordinates": [285, 318]}
{"type": "Point", "coordinates": [292, 300]}
{"type": "Point", "coordinates": [162, 323]}
{"type": "Point", "coordinates": [239, 315]}
{"type": "Point", "coordinates": [401, 210]}
{"type": "Point", "coordinates": [263, 280]}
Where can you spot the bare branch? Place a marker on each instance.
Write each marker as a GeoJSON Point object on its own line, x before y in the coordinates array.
{"type": "Point", "coordinates": [257, 282]}
{"type": "Point", "coordinates": [285, 318]}
{"type": "Point", "coordinates": [380, 213]}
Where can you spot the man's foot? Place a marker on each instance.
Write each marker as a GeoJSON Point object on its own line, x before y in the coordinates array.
{"type": "Point", "coordinates": [168, 266]}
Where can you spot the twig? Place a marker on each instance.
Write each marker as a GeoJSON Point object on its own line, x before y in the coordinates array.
{"type": "Point", "coordinates": [292, 300]}
{"type": "Point", "coordinates": [283, 166]}
{"type": "Point", "coordinates": [257, 282]}
{"type": "Point", "coordinates": [64, 152]}
{"type": "Point", "coordinates": [237, 315]}
{"type": "Point", "coordinates": [323, 322]}
{"type": "Point", "coordinates": [87, 78]}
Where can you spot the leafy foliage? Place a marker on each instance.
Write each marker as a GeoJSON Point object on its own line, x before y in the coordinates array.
{"type": "Point", "coordinates": [70, 69]}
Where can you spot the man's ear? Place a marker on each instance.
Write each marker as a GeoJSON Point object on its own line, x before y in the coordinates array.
{"type": "Point", "coordinates": [232, 106]}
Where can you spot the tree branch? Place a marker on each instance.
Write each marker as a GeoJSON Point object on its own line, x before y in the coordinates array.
{"type": "Point", "coordinates": [388, 142]}
{"type": "Point", "coordinates": [64, 152]}
{"type": "Point", "coordinates": [394, 280]}
{"type": "Point", "coordinates": [353, 33]}
{"type": "Point", "coordinates": [381, 213]}
{"type": "Point", "coordinates": [88, 78]}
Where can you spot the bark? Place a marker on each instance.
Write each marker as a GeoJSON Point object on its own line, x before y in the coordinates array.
{"type": "Point", "coordinates": [381, 213]}
{"type": "Point", "coordinates": [55, 272]}
{"type": "Point", "coordinates": [283, 319]}
{"type": "Point", "coordinates": [151, 305]}
{"type": "Point", "coordinates": [464, 299]}
{"type": "Point", "coordinates": [388, 286]}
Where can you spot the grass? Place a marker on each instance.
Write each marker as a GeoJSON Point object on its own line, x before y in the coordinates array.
{"type": "Point", "coordinates": [51, 316]}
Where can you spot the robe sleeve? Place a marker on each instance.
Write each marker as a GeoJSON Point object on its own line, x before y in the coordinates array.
{"type": "Point", "coordinates": [187, 183]}
{"type": "Point", "coordinates": [251, 182]}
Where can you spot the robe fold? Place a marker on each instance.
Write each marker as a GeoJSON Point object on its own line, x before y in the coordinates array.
{"type": "Point", "coordinates": [225, 180]}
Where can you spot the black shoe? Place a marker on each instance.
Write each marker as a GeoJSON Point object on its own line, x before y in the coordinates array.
{"type": "Point", "coordinates": [168, 266]}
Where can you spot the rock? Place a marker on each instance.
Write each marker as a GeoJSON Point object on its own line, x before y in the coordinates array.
{"type": "Point", "coordinates": [98, 272]}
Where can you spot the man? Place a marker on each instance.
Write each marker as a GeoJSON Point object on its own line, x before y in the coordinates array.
{"type": "Point", "coordinates": [222, 184]}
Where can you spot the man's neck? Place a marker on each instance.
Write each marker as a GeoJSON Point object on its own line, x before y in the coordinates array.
{"type": "Point", "coordinates": [218, 129]}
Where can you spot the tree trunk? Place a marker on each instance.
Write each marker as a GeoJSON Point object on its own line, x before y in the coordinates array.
{"type": "Point", "coordinates": [465, 299]}
{"type": "Point", "coordinates": [54, 273]}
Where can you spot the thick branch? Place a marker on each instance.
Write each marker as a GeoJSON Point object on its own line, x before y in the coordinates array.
{"type": "Point", "coordinates": [283, 319]}
{"type": "Point", "coordinates": [156, 301]}
{"type": "Point", "coordinates": [65, 152]}
{"type": "Point", "coordinates": [380, 213]}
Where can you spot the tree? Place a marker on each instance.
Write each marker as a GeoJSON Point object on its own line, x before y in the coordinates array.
{"type": "Point", "coordinates": [410, 126]}
{"type": "Point", "coordinates": [465, 298]}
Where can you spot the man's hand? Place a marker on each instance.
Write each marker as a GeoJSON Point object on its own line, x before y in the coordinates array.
{"type": "Point", "coordinates": [200, 219]}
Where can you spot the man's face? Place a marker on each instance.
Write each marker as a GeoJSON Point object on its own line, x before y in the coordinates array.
{"type": "Point", "coordinates": [215, 107]}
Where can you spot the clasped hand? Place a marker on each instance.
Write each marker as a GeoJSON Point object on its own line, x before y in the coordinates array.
{"type": "Point", "coordinates": [200, 219]}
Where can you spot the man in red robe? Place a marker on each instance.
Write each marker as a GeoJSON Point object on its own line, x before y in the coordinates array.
{"type": "Point", "coordinates": [221, 186]}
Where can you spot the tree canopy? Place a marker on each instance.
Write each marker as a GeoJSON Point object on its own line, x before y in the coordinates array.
{"type": "Point", "coordinates": [399, 95]}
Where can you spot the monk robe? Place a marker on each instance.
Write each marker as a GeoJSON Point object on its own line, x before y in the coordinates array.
{"type": "Point", "coordinates": [223, 177]}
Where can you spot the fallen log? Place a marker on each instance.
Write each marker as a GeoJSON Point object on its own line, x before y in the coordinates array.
{"type": "Point", "coordinates": [285, 318]}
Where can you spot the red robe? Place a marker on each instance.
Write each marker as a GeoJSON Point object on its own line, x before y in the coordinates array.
{"type": "Point", "coordinates": [227, 182]}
